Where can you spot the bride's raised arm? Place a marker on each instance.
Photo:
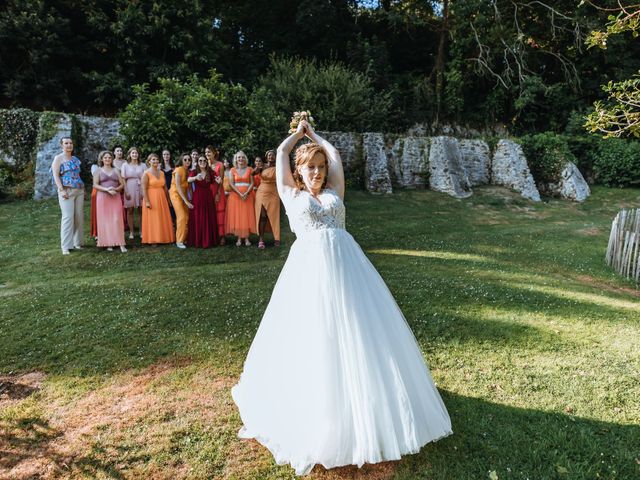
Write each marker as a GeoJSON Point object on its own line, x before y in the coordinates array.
{"type": "Point", "coordinates": [335, 180]}
{"type": "Point", "coordinates": [284, 177]}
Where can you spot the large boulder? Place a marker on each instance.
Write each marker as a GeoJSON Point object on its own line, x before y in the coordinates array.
{"type": "Point", "coordinates": [349, 145]}
{"type": "Point", "coordinates": [447, 172]}
{"type": "Point", "coordinates": [376, 166]}
{"type": "Point", "coordinates": [97, 134]}
{"type": "Point", "coordinates": [476, 158]}
{"type": "Point", "coordinates": [509, 168]}
{"type": "Point", "coordinates": [46, 150]}
{"type": "Point", "coordinates": [410, 162]}
{"type": "Point", "coordinates": [572, 184]}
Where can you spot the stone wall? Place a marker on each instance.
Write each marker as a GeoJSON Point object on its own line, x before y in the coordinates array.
{"type": "Point", "coordinates": [378, 162]}
{"type": "Point", "coordinates": [91, 135]}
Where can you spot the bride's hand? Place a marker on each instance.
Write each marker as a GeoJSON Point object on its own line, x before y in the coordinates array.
{"type": "Point", "coordinates": [300, 129]}
{"type": "Point", "coordinates": [308, 129]}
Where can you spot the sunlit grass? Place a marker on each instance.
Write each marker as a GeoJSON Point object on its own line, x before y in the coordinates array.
{"type": "Point", "coordinates": [531, 338]}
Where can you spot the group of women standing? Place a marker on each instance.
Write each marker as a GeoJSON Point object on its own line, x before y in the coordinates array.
{"type": "Point", "coordinates": [196, 203]}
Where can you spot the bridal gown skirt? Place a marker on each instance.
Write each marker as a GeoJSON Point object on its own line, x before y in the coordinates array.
{"type": "Point", "coordinates": [334, 375]}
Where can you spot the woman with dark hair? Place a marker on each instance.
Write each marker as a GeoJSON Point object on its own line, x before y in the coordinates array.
{"type": "Point", "coordinates": [66, 175]}
{"type": "Point", "coordinates": [167, 167]}
{"type": "Point", "coordinates": [268, 202]}
{"type": "Point", "coordinates": [334, 375]}
{"type": "Point", "coordinates": [217, 188]}
{"type": "Point", "coordinates": [203, 228]}
{"type": "Point", "coordinates": [108, 183]}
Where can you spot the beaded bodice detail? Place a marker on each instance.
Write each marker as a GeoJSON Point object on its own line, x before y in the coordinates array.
{"type": "Point", "coordinates": [306, 214]}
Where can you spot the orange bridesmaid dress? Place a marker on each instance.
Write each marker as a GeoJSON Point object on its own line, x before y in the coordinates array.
{"type": "Point", "coordinates": [241, 218]}
{"type": "Point", "coordinates": [156, 221]}
{"type": "Point", "coordinates": [267, 197]}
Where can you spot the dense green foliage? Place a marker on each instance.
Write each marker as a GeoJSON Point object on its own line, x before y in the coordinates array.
{"type": "Point", "coordinates": [530, 337]}
{"type": "Point", "coordinates": [620, 115]}
{"type": "Point", "coordinates": [617, 162]}
{"type": "Point", "coordinates": [18, 137]}
{"type": "Point", "coordinates": [183, 115]}
{"type": "Point", "coordinates": [547, 154]}
{"type": "Point", "coordinates": [339, 98]}
{"type": "Point", "coordinates": [520, 63]}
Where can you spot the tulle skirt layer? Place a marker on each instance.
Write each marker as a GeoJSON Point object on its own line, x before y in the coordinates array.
{"type": "Point", "coordinates": [334, 375]}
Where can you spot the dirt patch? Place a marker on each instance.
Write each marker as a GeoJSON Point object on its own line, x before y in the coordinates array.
{"type": "Point", "coordinates": [18, 387]}
{"type": "Point", "coordinates": [589, 232]}
{"type": "Point", "coordinates": [607, 287]}
{"type": "Point", "coordinates": [167, 421]}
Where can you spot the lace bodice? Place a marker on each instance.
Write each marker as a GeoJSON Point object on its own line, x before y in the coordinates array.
{"type": "Point", "coordinates": [306, 214]}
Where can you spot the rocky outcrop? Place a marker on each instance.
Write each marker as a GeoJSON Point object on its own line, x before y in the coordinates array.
{"type": "Point", "coordinates": [447, 172]}
{"type": "Point", "coordinates": [373, 160]}
{"type": "Point", "coordinates": [509, 168]}
{"type": "Point", "coordinates": [476, 158]}
{"type": "Point", "coordinates": [572, 185]}
{"type": "Point", "coordinates": [47, 149]}
{"type": "Point", "coordinates": [97, 135]}
{"type": "Point", "coordinates": [410, 162]}
{"type": "Point", "coordinates": [376, 167]}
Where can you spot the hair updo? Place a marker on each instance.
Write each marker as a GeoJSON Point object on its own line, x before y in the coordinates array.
{"type": "Point", "coordinates": [304, 153]}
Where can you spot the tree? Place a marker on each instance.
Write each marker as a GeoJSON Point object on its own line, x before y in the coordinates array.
{"type": "Point", "coordinates": [620, 115]}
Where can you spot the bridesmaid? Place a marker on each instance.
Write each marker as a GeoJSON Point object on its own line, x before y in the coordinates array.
{"type": "Point", "coordinates": [132, 172]}
{"type": "Point", "coordinates": [203, 228]}
{"type": "Point", "coordinates": [156, 219]}
{"type": "Point", "coordinates": [225, 179]}
{"type": "Point", "coordinates": [241, 217]}
{"type": "Point", "coordinates": [118, 162]}
{"type": "Point", "coordinates": [66, 175]}
{"type": "Point", "coordinates": [167, 169]}
{"type": "Point", "coordinates": [179, 200]}
{"type": "Point", "coordinates": [268, 202]}
{"type": "Point", "coordinates": [94, 224]}
{"type": "Point", "coordinates": [217, 188]}
{"type": "Point", "coordinates": [258, 165]}
{"type": "Point", "coordinates": [108, 182]}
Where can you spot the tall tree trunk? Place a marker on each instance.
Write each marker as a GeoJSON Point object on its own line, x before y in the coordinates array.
{"type": "Point", "coordinates": [440, 58]}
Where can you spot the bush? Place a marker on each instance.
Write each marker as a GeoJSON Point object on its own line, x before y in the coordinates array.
{"type": "Point", "coordinates": [339, 98]}
{"type": "Point", "coordinates": [18, 136]}
{"type": "Point", "coordinates": [547, 154]}
{"type": "Point", "coordinates": [617, 162]}
{"type": "Point", "coordinates": [191, 114]}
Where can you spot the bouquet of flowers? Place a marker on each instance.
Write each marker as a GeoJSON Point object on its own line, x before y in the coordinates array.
{"type": "Point", "coordinates": [297, 116]}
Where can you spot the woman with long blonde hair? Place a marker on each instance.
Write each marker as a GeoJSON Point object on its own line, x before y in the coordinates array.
{"type": "Point", "coordinates": [240, 218]}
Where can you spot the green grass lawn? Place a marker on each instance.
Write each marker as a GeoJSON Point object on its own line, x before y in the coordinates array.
{"type": "Point", "coordinates": [120, 365]}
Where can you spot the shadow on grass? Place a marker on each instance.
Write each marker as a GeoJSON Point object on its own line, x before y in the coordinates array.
{"type": "Point", "coordinates": [522, 443]}
{"type": "Point", "coordinates": [28, 450]}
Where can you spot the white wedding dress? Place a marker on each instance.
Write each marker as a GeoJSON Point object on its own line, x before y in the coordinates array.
{"type": "Point", "coordinates": [334, 375]}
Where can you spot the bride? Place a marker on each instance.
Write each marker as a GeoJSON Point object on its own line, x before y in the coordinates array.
{"type": "Point", "coordinates": [334, 375]}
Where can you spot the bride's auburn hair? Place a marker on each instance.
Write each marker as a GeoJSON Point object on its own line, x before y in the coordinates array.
{"type": "Point", "coordinates": [304, 153]}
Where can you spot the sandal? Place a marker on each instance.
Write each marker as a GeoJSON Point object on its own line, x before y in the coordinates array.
{"type": "Point", "coordinates": [261, 245]}
{"type": "Point", "coordinates": [247, 243]}
{"type": "Point", "coordinates": [238, 243]}
{"type": "Point", "coordinates": [276, 243]}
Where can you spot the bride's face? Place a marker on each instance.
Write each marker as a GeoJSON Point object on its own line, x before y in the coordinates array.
{"type": "Point", "coordinates": [314, 172]}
